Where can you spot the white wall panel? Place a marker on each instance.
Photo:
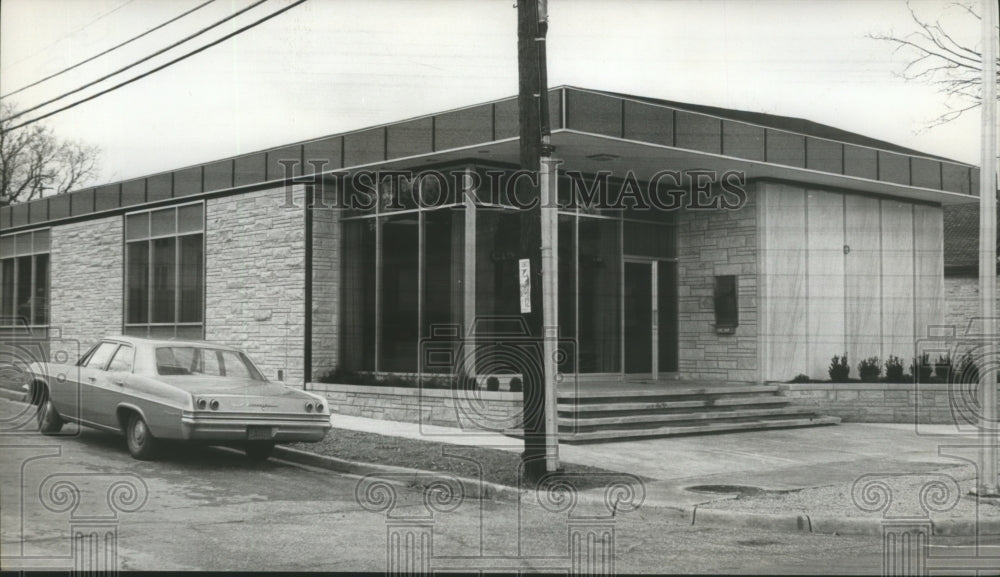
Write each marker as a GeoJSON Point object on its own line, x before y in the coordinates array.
{"type": "Point", "coordinates": [825, 265]}
{"type": "Point", "coordinates": [928, 228]}
{"type": "Point", "coordinates": [846, 273]}
{"type": "Point", "coordinates": [897, 280]}
{"type": "Point", "coordinates": [785, 267]}
{"type": "Point", "coordinates": [862, 279]}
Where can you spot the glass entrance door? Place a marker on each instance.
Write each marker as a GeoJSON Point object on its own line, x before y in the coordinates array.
{"type": "Point", "coordinates": [640, 318]}
{"type": "Point", "coordinates": [650, 319]}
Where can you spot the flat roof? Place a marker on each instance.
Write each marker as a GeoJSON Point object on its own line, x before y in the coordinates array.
{"type": "Point", "coordinates": [768, 146]}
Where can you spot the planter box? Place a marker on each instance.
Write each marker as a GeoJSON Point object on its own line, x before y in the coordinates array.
{"type": "Point", "coordinates": [926, 403]}
{"type": "Point", "coordinates": [477, 409]}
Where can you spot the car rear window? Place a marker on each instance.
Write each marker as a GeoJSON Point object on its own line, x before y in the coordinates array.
{"type": "Point", "coordinates": [99, 359]}
{"type": "Point", "coordinates": [204, 361]}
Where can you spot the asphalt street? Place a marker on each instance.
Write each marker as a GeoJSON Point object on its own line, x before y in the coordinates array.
{"type": "Point", "coordinates": [207, 508]}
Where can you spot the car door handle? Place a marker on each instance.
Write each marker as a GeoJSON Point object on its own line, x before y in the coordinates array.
{"type": "Point", "coordinates": [92, 379]}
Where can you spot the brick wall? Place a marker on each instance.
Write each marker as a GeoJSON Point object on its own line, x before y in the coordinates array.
{"type": "Point", "coordinates": [86, 271]}
{"type": "Point", "coordinates": [880, 402]}
{"type": "Point", "coordinates": [710, 243]}
{"type": "Point", "coordinates": [255, 278]}
{"type": "Point", "coordinates": [325, 290]}
{"type": "Point", "coordinates": [474, 410]}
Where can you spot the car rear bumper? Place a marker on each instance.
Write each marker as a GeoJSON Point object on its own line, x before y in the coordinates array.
{"type": "Point", "coordinates": [246, 427]}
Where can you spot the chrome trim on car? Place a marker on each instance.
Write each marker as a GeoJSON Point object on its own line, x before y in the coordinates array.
{"type": "Point", "coordinates": [193, 418]}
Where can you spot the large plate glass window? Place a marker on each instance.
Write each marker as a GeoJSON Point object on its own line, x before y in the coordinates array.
{"type": "Point", "coordinates": [165, 272]}
{"type": "Point", "coordinates": [402, 274]}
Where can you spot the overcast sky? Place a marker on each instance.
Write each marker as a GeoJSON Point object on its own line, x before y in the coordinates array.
{"type": "Point", "coordinates": [329, 66]}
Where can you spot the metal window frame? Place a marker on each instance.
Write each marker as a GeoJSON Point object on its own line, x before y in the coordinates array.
{"type": "Point", "coordinates": [32, 253]}
{"type": "Point", "coordinates": [148, 239]}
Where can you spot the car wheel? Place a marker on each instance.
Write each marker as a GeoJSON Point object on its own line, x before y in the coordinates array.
{"type": "Point", "coordinates": [49, 421]}
{"type": "Point", "coordinates": [141, 443]}
{"type": "Point", "coordinates": [259, 451]}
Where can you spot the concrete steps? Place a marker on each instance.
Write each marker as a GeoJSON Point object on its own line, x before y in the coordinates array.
{"type": "Point", "coordinates": [625, 410]}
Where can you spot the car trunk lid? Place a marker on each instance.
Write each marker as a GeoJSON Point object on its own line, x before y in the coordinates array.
{"type": "Point", "coordinates": [243, 395]}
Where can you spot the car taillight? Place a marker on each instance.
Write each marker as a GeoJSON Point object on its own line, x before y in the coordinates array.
{"type": "Point", "coordinates": [202, 403]}
{"type": "Point", "coordinates": [319, 407]}
{"type": "Point", "coordinates": [309, 407]}
{"type": "Point", "coordinates": [214, 405]}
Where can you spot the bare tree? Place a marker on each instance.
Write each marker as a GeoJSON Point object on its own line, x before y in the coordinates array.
{"type": "Point", "coordinates": [34, 162]}
{"type": "Point", "coordinates": [941, 60]}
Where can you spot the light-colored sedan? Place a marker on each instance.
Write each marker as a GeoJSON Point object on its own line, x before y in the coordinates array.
{"type": "Point", "coordinates": [154, 390]}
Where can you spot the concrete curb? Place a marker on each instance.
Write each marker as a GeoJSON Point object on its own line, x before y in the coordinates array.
{"type": "Point", "coordinates": [770, 521]}
{"type": "Point", "coordinates": [836, 525]}
{"type": "Point", "coordinates": [846, 525]}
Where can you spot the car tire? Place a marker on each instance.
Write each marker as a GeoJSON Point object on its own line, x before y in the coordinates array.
{"type": "Point", "coordinates": [141, 443]}
{"type": "Point", "coordinates": [258, 452]}
{"type": "Point", "coordinates": [49, 421]}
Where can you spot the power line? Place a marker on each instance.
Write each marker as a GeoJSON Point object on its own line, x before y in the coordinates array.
{"type": "Point", "coordinates": [116, 47]}
{"type": "Point", "coordinates": [40, 50]}
{"type": "Point", "coordinates": [138, 62]}
{"type": "Point", "coordinates": [161, 67]}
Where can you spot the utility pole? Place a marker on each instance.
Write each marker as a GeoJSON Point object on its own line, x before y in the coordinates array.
{"type": "Point", "coordinates": [988, 422]}
{"type": "Point", "coordinates": [540, 445]}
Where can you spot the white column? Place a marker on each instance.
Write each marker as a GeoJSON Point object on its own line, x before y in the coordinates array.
{"type": "Point", "coordinates": [987, 256]}
{"type": "Point", "coordinates": [550, 313]}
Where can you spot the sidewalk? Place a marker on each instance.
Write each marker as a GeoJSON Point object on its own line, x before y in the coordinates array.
{"type": "Point", "coordinates": [801, 479]}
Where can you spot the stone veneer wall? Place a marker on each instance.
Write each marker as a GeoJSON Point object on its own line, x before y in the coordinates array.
{"type": "Point", "coordinates": [255, 278]}
{"type": "Point", "coordinates": [961, 294]}
{"type": "Point", "coordinates": [880, 402]}
{"type": "Point", "coordinates": [86, 272]}
{"type": "Point", "coordinates": [476, 410]}
{"type": "Point", "coordinates": [710, 243]}
{"type": "Point", "coordinates": [325, 290]}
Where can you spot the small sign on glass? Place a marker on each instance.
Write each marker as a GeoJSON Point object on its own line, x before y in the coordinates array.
{"type": "Point", "coordinates": [524, 281]}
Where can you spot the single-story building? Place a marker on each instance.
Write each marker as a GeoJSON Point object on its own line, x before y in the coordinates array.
{"type": "Point", "coordinates": [694, 243]}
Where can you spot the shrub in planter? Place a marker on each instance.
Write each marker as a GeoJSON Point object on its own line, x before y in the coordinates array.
{"type": "Point", "coordinates": [492, 384]}
{"type": "Point", "coordinates": [440, 382]}
{"type": "Point", "coordinates": [839, 369]}
{"type": "Point", "coordinates": [516, 385]}
{"type": "Point", "coordinates": [397, 380]}
{"type": "Point", "coordinates": [800, 378]}
{"type": "Point", "coordinates": [870, 369]}
{"type": "Point", "coordinates": [341, 376]}
{"type": "Point", "coordinates": [965, 370]}
{"type": "Point", "coordinates": [922, 368]}
{"type": "Point", "coordinates": [337, 376]}
{"type": "Point", "coordinates": [894, 370]}
{"type": "Point", "coordinates": [942, 366]}
{"type": "Point", "coordinates": [461, 382]}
